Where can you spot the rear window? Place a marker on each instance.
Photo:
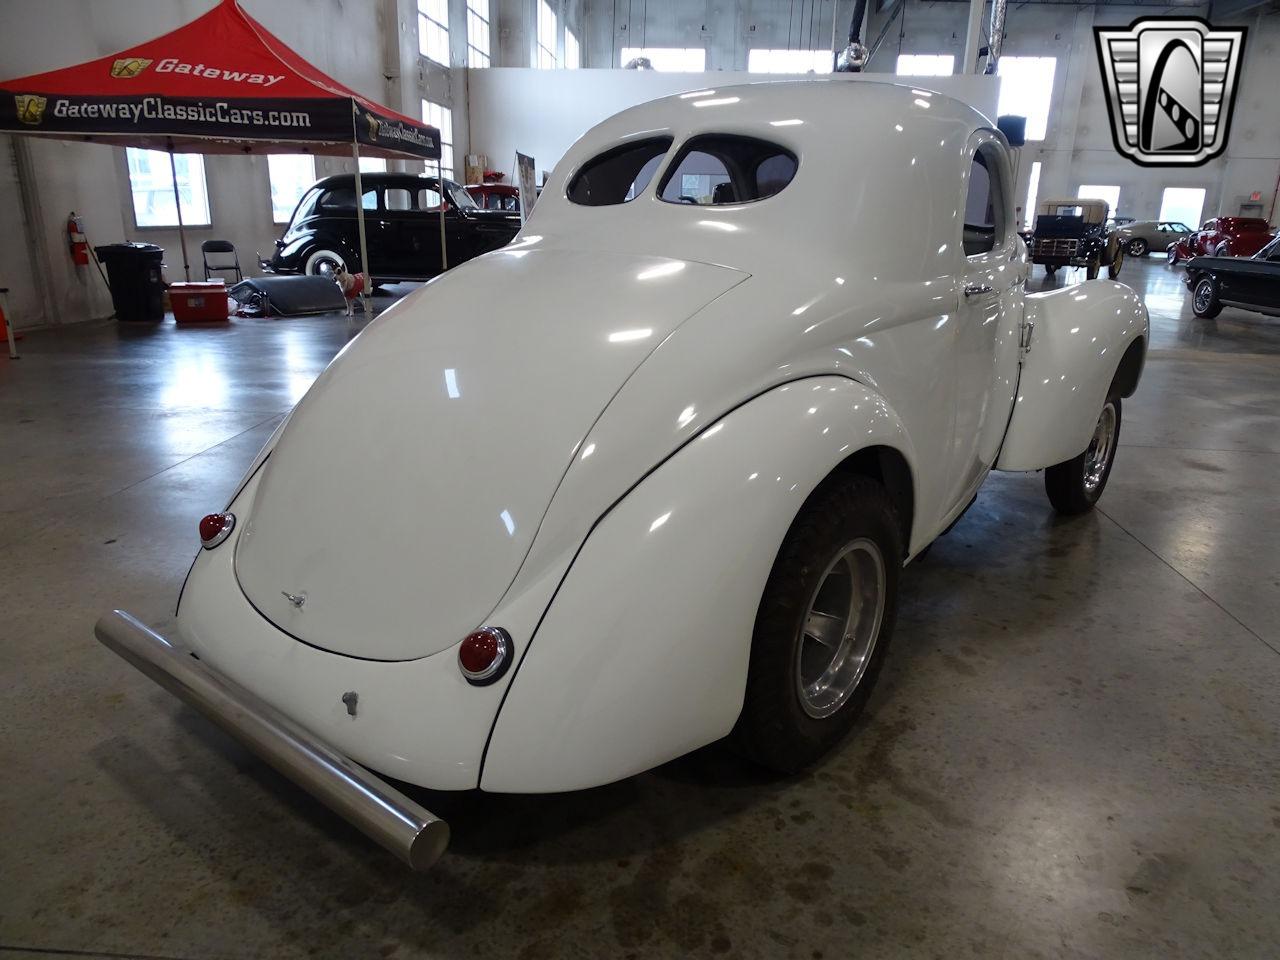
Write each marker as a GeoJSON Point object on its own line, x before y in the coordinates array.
{"type": "Point", "coordinates": [720, 169]}
{"type": "Point", "coordinates": [618, 175]}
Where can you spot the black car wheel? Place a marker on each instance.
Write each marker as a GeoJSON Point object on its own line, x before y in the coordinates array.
{"type": "Point", "coordinates": [1138, 247]}
{"type": "Point", "coordinates": [1204, 299]}
{"type": "Point", "coordinates": [1222, 250]}
{"type": "Point", "coordinates": [1050, 271]}
{"type": "Point", "coordinates": [1092, 270]}
{"type": "Point", "coordinates": [323, 263]}
{"type": "Point", "coordinates": [1075, 485]}
{"type": "Point", "coordinates": [823, 625]}
{"type": "Point", "coordinates": [1172, 254]}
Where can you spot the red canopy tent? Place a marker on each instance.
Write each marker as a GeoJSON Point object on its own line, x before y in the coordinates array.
{"type": "Point", "coordinates": [220, 84]}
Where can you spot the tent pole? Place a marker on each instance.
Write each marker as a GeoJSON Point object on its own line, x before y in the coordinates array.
{"type": "Point", "coordinates": [177, 202]}
{"type": "Point", "coordinates": [444, 257]}
{"type": "Point", "coordinates": [364, 246]}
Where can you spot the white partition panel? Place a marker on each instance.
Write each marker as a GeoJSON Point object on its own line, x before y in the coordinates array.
{"type": "Point", "coordinates": [542, 112]}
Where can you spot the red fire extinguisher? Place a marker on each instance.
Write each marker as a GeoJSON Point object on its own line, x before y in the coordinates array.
{"type": "Point", "coordinates": [76, 241]}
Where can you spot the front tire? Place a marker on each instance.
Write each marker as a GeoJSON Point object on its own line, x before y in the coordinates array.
{"type": "Point", "coordinates": [1075, 485]}
{"type": "Point", "coordinates": [1138, 247]}
{"type": "Point", "coordinates": [1094, 268]}
{"type": "Point", "coordinates": [824, 623]}
{"type": "Point", "coordinates": [1204, 299]}
{"type": "Point", "coordinates": [1050, 272]}
{"type": "Point", "coordinates": [1172, 256]}
{"type": "Point", "coordinates": [324, 263]}
{"type": "Point", "coordinates": [1117, 261]}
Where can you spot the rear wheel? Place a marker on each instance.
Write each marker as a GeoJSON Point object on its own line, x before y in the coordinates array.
{"type": "Point", "coordinates": [823, 625]}
{"type": "Point", "coordinates": [1075, 485]}
{"type": "Point", "coordinates": [1138, 247]}
{"type": "Point", "coordinates": [1204, 299]}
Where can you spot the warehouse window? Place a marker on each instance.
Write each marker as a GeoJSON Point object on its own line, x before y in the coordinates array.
{"type": "Point", "coordinates": [1026, 90]}
{"type": "Point", "coordinates": [290, 175]}
{"type": "Point", "coordinates": [373, 165]}
{"type": "Point", "coordinates": [926, 64]}
{"type": "Point", "coordinates": [151, 181]}
{"type": "Point", "coordinates": [1111, 195]}
{"type": "Point", "coordinates": [1184, 204]}
{"type": "Point", "coordinates": [477, 33]}
{"type": "Point", "coordinates": [1033, 190]}
{"type": "Point", "coordinates": [720, 169]}
{"type": "Point", "coordinates": [789, 61]}
{"type": "Point", "coordinates": [440, 117]}
{"type": "Point", "coordinates": [572, 50]}
{"type": "Point", "coordinates": [433, 30]}
{"type": "Point", "coordinates": [547, 26]}
{"type": "Point", "coordinates": [618, 175]}
{"type": "Point", "coordinates": [670, 59]}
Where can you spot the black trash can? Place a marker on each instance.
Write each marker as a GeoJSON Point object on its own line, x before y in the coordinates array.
{"type": "Point", "coordinates": [137, 286]}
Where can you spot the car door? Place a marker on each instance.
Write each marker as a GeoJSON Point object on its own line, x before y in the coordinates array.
{"type": "Point", "coordinates": [989, 306]}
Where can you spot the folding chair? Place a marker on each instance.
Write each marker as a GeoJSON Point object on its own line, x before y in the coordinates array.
{"type": "Point", "coordinates": [221, 246]}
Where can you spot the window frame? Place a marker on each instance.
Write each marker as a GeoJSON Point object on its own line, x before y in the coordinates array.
{"type": "Point", "coordinates": [425, 38]}
{"type": "Point", "coordinates": [446, 136]}
{"type": "Point", "coordinates": [474, 51]}
{"type": "Point", "coordinates": [691, 144]}
{"type": "Point", "coordinates": [168, 179]}
{"type": "Point", "coordinates": [1000, 178]}
{"type": "Point", "coordinates": [546, 56]}
{"type": "Point", "coordinates": [272, 187]}
{"type": "Point", "coordinates": [1004, 106]}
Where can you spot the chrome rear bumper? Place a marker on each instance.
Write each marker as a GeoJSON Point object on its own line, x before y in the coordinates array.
{"type": "Point", "coordinates": [383, 813]}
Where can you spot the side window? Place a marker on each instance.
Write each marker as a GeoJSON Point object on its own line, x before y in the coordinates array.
{"type": "Point", "coordinates": [428, 198]}
{"type": "Point", "coordinates": [344, 198]}
{"type": "Point", "coordinates": [618, 175]}
{"type": "Point", "coordinates": [719, 169]}
{"type": "Point", "coordinates": [981, 209]}
{"type": "Point", "coordinates": [398, 198]}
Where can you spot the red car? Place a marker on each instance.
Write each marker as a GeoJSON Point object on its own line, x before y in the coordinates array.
{"type": "Point", "coordinates": [1223, 237]}
{"type": "Point", "coordinates": [495, 196]}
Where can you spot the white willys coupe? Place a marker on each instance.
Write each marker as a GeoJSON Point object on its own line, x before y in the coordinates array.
{"type": "Point", "coordinates": [648, 476]}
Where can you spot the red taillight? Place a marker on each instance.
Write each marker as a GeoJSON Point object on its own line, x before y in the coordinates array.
{"type": "Point", "coordinates": [485, 655]}
{"type": "Point", "coordinates": [215, 528]}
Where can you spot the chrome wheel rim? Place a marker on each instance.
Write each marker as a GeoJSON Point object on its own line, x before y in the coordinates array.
{"type": "Point", "coordinates": [1101, 447]}
{"type": "Point", "coordinates": [1204, 295]}
{"type": "Point", "coordinates": [840, 628]}
{"type": "Point", "coordinates": [326, 267]}
{"type": "Point", "coordinates": [1137, 248]}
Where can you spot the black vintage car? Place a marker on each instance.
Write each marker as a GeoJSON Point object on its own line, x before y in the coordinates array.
{"type": "Point", "coordinates": [1074, 233]}
{"type": "Point", "coordinates": [402, 227]}
{"type": "Point", "coordinates": [1250, 283]}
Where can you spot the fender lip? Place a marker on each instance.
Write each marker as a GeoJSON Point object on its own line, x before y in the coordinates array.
{"type": "Point", "coordinates": [366, 801]}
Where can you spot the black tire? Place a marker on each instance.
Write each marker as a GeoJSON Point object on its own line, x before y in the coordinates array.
{"type": "Point", "coordinates": [1094, 268]}
{"type": "Point", "coordinates": [1050, 272]}
{"type": "Point", "coordinates": [1171, 254]}
{"type": "Point", "coordinates": [1138, 247]}
{"type": "Point", "coordinates": [1069, 490]}
{"type": "Point", "coordinates": [1117, 261]}
{"type": "Point", "coordinates": [777, 728]}
{"type": "Point", "coordinates": [1204, 299]}
{"type": "Point", "coordinates": [1222, 250]}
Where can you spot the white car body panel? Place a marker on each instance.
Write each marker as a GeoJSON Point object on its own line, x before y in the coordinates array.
{"type": "Point", "coordinates": [694, 534]}
{"type": "Point", "coordinates": [1081, 334]}
{"type": "Point", "coordinates": [383, 496]}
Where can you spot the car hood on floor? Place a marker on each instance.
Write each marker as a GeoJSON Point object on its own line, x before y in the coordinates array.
{"type": "Point", "coordinates": [403, 495]}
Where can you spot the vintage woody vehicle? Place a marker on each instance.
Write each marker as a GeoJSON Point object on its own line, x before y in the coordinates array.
{"type": "Point", "coordinates": [647, 477]}
{"type": "Point", "coordinates": [1073, 233]}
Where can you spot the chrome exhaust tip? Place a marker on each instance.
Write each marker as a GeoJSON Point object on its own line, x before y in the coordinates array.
{"type": "Point", "coordinates": [368, 802]}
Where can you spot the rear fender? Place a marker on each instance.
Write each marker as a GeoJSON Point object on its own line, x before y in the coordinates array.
{"type": "Point", "coordinates": [642, 655]}
{"type": "Point", "coordinates": [1081, 336]}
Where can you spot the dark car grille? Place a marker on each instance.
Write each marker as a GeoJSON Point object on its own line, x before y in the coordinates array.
{"type": "Point", "coordinates": [1056, 247]}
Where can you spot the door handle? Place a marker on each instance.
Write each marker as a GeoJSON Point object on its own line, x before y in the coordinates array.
{"type": "Point", "coordinates": [976, 289]}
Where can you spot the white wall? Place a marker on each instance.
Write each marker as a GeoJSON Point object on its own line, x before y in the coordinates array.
{"type": "Point", "coordinates": [542, 112]}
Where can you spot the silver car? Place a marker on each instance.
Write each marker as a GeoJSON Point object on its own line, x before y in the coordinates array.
{"type": "Point", "coordinates": [1143, 236]}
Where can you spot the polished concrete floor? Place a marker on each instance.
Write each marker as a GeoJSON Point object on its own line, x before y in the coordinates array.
{"type": "Point", "coordinates": [1072, 753]}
